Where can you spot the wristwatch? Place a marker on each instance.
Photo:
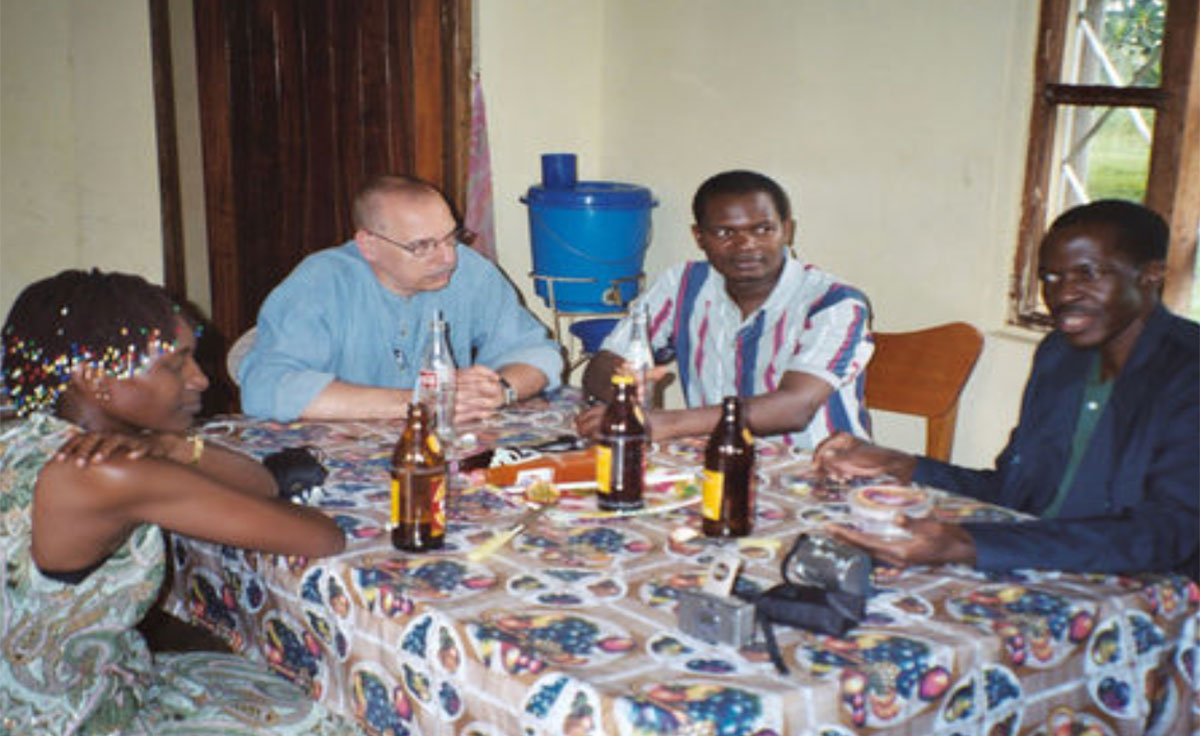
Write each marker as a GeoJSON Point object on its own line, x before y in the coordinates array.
{"type": "Point", "coordinates": [510, 393]}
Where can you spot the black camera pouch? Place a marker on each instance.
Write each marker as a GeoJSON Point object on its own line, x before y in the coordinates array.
{"type": "Point", "coordinates": [296, 470]}
{"type": "Point", "coordinates": [832, 608]}
{"type": "Point", "coordinates": [805, 607]}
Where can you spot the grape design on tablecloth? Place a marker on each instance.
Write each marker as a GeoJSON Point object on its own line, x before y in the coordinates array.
{"type": "Point", "coordinates": [1028, 621]}
{"type": "Point", "coordinates": [667, 708]}
{"type": "Point", "coordinates": [310, 585]}
{"type": "Point", "coordinates": [1147, 637]}
{"type": "Point", "coordinates": [328, 633]}
{"type": "Point", "coordinates": [379, 704]}
{"type": "Point", "coordinates": [208, 606]}
{"type": "Point", "coordinates": [1001, 687]}
{"type": "Point", "coordinates": [416, 638]}
{"type": "Point", "coordinates": [543, 697]}
{"type": "Point", "coordinates": [1123, 663]}
{"type": "Point", "coordinates": [432, 654]}
{"type": "Point", "coordinates": [591, 546]}
{"type": "Point", "coordinates": [1114, 694]}
{"type": "Point", "coordinates": [391, 584]}
{"type": "Point", "coordinates": [253, 594]}
{"type": "Point", "coordinates": [552, 636]}
{"type": "Point", "coordinates": [882, 675]}
{"type": "Point", "coordinates": [558, 704]}
{"type": "Point", "coordinates": [449, 700]}
{"type": "Point", "coordinates": [293, 652]}
{"type": "Point", "coordinates": [1172, 595]}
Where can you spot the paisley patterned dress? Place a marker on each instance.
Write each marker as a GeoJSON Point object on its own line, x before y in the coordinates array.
{"type": "Point", "coordinates": [72, 661]}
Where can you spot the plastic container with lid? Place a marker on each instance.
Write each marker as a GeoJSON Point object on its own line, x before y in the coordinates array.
{"type": "Point", "coordinates": [593, 231]}
{"type": "Point", "coordinates": [878, 507]}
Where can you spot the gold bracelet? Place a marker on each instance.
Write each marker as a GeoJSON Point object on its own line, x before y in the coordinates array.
{"type": "Point", "coordinates": [197, 443]}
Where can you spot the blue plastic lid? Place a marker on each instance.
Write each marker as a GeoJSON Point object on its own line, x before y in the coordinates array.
{"type": "Point", "coordinates": [599, 195]}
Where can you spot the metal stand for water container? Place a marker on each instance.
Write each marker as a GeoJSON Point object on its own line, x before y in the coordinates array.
{"type": "Point", "coordinates": [612, 296]}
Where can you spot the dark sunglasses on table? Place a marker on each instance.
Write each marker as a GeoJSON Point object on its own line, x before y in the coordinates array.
{"type": "Point", "coordinates": [424, 247]}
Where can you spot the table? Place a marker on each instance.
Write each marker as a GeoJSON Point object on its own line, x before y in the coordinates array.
{"type": "Point", "coordinates": [570, 629]}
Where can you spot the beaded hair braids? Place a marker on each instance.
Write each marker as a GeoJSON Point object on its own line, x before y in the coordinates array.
{"type": "Point", "coordinates": [112, 321]}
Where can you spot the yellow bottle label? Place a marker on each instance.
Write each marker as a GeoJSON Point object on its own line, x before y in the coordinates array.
{"type": "Point", "coordinates": [604, 468]}
{"type": "Point", "coordinates": [434, 446]}
{"type": "Point", "coordinates": [395, 502]}
{"type": "Point", "coordinates": [714, 491]}
{"type": "Point", "coordinates": [437, 516]}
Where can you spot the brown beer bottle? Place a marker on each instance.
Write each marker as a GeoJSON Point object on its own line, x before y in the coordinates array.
{"type": "Point", "coordinates": [727, 508]}
{"type": "Point", "coordinates": [418, 485]}
{"type": "Point", "coordinates": [621, 449]}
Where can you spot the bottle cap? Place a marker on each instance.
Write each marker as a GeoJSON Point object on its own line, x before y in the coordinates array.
{"type": "Point", "coordinates": [621, 379]}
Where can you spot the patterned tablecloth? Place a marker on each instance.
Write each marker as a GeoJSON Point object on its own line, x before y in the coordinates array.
{"type": "Point", "coordinates": [571, 628]}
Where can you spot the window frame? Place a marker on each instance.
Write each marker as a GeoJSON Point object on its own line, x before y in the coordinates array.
{"type": "Point", "coordinates": [1173, 182]}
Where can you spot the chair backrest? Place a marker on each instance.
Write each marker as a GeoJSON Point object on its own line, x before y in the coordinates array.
{"type": "Point", "coordinates": [923, 373]}
{"type": "Point", "coordinates": [237, 351]}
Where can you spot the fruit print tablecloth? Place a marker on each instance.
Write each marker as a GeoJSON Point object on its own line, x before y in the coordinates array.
{"type": "Point", "coordinates": [571, 629]}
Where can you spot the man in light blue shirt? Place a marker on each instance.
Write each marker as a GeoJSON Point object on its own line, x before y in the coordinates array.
{"type": "Point", "coordinates": [342, 336]}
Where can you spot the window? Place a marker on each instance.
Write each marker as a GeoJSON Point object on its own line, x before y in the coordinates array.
{"type": "Point", "coordinates": [1116, 113]}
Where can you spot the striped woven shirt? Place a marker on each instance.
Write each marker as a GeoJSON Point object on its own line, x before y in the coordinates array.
{"type": "Point", "coordinates": [810, 323]}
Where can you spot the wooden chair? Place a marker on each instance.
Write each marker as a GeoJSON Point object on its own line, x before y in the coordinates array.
{"type": "Point", "coordinates": [923, 373]}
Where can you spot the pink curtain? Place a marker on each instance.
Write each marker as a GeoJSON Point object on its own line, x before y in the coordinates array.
{"type": "Point", "coordinates": [479, 177]}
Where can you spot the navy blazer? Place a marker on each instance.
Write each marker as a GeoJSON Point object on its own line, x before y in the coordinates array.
{"type": "Point", "coordinates": [1133, 505]}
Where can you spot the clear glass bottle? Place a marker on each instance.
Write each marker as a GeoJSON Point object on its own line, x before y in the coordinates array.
{"type": "Point", "coordinates": [640, 357]}
{"type": "Point", "coordinates": [436, 381]}
{"type": "Point", "coordinates": [418, 484]}
{"type": "Point", "coordinates": [727, 506]}
{"type": "Point", "coordinates": [621, 450]}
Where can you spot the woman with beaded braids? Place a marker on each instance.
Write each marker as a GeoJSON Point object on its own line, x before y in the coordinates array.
{"type": "Point", "coordinates": [92, 355]}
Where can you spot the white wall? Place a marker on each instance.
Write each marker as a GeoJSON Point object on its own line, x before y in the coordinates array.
{"type": "Point", "coordinates": [899, 134]}
{"type": "Point", "coordinates": [541, 65]}
{"type": "Point", "coordinates": [78, 163]}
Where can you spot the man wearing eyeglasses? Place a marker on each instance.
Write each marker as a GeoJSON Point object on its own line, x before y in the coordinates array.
{"type": "Point", "coordinates": [751, 320]}
{"type": "Point", "coordinates": [1105, 450]}
{"type": "Point", "coordinates": [342, 336]}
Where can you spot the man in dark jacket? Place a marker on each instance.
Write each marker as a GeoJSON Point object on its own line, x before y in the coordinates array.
{"type": "Point", "coordinates": [1107, 449]}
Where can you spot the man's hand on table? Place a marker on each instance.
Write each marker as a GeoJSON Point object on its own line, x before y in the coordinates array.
{"type": "Point", "coordinates": [843, 457]}
{"type": "Point", "coordinates": [477, 394]}
{"type": "Point", "coordinates": [929, 542]}
{"type": "Point", "coordinates": [587, 422]}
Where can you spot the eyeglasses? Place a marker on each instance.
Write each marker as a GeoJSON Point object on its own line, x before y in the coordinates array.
{"type": "Point", "coordinates": [424, 247]}
{"type": "Point", "coordinates": [1084, 273]}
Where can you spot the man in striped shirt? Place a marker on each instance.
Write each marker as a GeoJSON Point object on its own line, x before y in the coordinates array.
{"type": "Point", "coordinates": [751, 320]}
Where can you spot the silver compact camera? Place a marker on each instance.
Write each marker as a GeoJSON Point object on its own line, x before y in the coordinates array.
{"type": "Point", "coordinates": [716, 619]}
